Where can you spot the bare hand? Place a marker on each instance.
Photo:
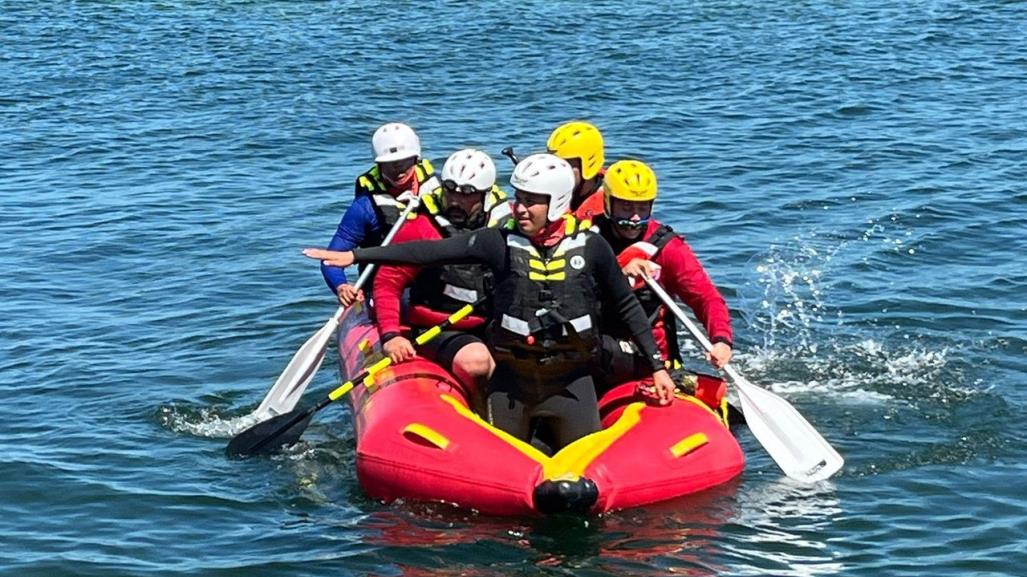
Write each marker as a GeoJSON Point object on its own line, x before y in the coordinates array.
{"type": "Point", "coordinates": [639, 268]}
{"type": "Point", "coordinates": [399, 349]}
{"type": "Point", "coordinates": [661, 390]}
{"type": "Point", "coordinates": [720, 355]}
{"type": "Point", "coordinates": [337, 258]}
{"type": "Point", "coordinates": [349, 294]}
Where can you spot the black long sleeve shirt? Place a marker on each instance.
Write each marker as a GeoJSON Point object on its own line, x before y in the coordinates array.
{"type": "Point", "coordinates": [488, 246]}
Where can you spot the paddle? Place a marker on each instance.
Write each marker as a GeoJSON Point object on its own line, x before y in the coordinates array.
{"type": "Point", "coordinates": [293, 381]}
{"type": "Point", "coordinates": [509, 153]}
{"type": "Point", "coordinates": [801, 452]}
{"type": "Point", "coordinates": [286, 429]}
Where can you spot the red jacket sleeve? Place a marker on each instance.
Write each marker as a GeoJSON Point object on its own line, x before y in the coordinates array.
{"type": "Point", "coordinates": [392, 279]}
{"type": "Point", "coordinates": [685, 277]}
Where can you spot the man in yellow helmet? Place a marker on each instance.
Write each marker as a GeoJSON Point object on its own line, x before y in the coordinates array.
{"type": "Point", "coordinates": [581, 145]}
{"type": "Point", "coordinates": [647, 247]}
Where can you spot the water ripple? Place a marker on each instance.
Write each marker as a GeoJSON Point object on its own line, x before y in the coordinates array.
{"type": "Point", "coordinates": [849, 174]}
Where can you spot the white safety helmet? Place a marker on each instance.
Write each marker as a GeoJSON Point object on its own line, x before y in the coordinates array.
{"type": "Point", "coordinates": [546, 174]}
{"type": "Point", "coordinates": [395, 141]}
{"type": "Point", "coordinates": [470, 166]}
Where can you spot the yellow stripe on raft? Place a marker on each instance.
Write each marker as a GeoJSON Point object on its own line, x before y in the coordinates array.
{"type": "Point", "coordinates": [529, 451]}
{"type": "Point", "coordinates": [571, 461]}
{"type": "Point", "coordinates": [688, 444]}
{"type": "Point", "coordinates": [428, 434]}
{"type": "Point", "coordinates": [577, 456]}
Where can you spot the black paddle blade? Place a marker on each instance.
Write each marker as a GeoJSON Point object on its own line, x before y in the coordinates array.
{"type": "Point", "coordinates": [270, 435]}
{"type": "Point", "coordinates": [735, 416]}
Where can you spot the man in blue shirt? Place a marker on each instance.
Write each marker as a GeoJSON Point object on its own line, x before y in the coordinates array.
{"type": "Point", "coordinates": [381, 195]}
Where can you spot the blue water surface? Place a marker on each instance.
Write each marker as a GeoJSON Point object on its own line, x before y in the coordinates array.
{"type": "Point", "coordinates": [851, 174]}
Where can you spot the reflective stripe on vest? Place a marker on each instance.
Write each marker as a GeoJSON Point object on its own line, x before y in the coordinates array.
{"type": "Point", "coordinates": [522, 328]}
{"type": "Point", "coordinates": [463, 295]}
{"type": "Point", "coordinates": [648, 248]}
{"type": "Point", "coordinates": [515, 325]}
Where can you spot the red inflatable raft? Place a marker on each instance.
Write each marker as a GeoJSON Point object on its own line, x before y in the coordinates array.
{"type": "Point", "coordinates": [418, 439]}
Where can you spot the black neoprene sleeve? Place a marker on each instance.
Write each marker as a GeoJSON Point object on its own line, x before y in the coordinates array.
{"type": "Point", "coordinates": [485, 246]}
{"type": "Point", "coordinates": [618, 293]}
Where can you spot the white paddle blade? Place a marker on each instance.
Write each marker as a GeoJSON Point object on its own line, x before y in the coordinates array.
{"type": "Point", "coordinates": [801, 452]}
{"type": "Point", "coordinates": [293, 381]}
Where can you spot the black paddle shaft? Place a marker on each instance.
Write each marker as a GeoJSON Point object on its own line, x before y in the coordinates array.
{"type": "Point", "coordinates": [278, 431]}
{"type": "Point", "coordinates": [286, 429]}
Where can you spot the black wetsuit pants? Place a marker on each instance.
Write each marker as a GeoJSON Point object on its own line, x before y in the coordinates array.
{"type": "Point", "coordinates": [568, 412]}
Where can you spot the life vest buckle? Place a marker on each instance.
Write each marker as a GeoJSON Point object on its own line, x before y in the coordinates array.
{"type": "Point", "coordinates": [545, 296]}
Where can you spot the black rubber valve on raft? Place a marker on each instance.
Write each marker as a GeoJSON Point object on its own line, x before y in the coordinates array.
{"type": "Point", "coordinates": [563, 496]}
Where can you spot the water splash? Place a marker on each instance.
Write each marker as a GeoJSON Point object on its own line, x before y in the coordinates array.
{"type": "Point", "coordinates": [792, 300]}
{"type": "Point", "coordinates": [808, 344]}
{"type": "Point", "coordinates": [203, 421]}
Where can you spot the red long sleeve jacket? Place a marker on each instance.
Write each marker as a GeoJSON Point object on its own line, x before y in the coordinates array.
{"type": "Point", "coordinates": [392, 279]}
{"type": "Point", "coordinates": [683, 276]}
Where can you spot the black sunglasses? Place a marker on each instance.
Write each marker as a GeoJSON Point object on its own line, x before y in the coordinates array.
{"type": "Point", "coordinates": [451, 186]}
{"type": "Point", "coordinates": [632, 224]}
{"type": "Point", "coordinates": [397, 166]}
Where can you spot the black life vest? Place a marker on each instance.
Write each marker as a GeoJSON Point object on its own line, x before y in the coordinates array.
{"type": "Point", "coordinates": [654, 308]}
{"type": "Point", "coordinates": [448, 287]}
{"type": "Point", "coordinates": [547, 308]}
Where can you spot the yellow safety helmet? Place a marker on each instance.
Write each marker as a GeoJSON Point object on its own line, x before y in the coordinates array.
{"type": "Point", "coordinates": [629, 180]}
{"type": "Point", "coordinates": [579, 140]}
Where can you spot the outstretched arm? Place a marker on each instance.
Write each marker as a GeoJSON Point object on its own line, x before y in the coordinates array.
{"type": "Point", "coordinates": [485, 246]}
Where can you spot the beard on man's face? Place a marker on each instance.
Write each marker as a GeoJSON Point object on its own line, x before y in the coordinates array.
{"type": "Point", "coordinates": [455, 215]}
{"type": "Point", "coordinates": [461, 219]}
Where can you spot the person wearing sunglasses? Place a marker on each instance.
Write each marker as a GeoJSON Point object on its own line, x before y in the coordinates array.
{"type": "Point", "coordinates": [380, 197]}
{"type": "Point", "coordinates": [467, 200]}
{"type": "Point", "coordinates": [581, 145]}
{"type": "Point", "coordinates": [554, 283]}
{"type": "Point", "coordinates": [648, 247]}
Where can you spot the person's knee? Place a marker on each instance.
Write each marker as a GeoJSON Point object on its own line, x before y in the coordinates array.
{"type": "Point", "coordinates": [475, 361]}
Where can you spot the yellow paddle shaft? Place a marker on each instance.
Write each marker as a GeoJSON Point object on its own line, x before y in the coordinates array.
{"type": "Point", "coordinates": [420, 340]}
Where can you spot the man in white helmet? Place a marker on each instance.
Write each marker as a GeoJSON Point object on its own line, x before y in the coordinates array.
{"type": "Point", "coordinates": [379, 198]}
{"type": "Point", "coordinates": [552, 280]}
{"type": "Point", "coordinates": [467, 200]}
